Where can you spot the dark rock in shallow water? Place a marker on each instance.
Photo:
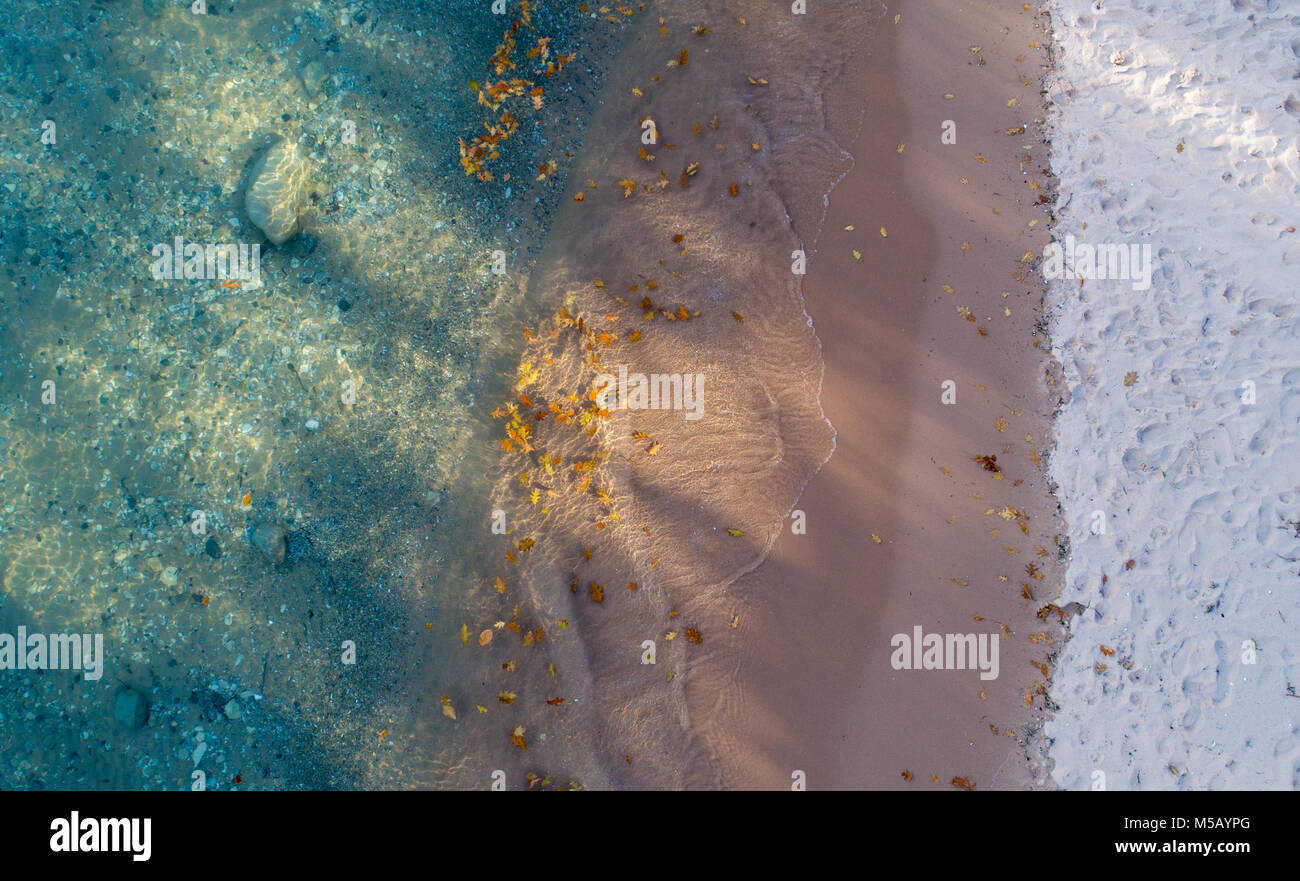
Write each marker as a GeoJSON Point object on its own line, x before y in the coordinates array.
{"type": "Point", "coordinates": [130, 708]}
{"type": "Point", "coordinates": [212, 549]}
{"type": "Point", "coordinates": [269, 538]}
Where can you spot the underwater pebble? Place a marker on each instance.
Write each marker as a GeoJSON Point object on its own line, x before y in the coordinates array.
{"type": "Point", "coordinates": [170, 576]}
{"type": "Point", "coordinates": [313, 77]}
{"type": "Point", "coordinates": [269, 538]}
{"type": "Point", "coordinates": [275, 192]}
{"type": "Point", "coordinates": [130, 708]}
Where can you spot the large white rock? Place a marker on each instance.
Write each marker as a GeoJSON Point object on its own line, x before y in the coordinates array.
{"type": "Point", "coordinates": [275, 192]}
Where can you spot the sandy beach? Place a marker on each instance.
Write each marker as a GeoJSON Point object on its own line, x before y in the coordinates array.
{"type": "Point", "coordinates": [1177, 458]}
{"type": "Point", "coordinates": [683, 395]}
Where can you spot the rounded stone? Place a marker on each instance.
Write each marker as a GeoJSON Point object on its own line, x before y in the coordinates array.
{"type": "Point", "coordinates": [275, 192]}
{"type": "Point", "coordinates": [313, 77]}
{"type": "Point", "coordinates": [130, 708]}
{"type": "Point", "coordinates": [270, 539]}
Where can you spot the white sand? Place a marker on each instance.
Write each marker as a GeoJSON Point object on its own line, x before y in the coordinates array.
{"type": "Point", "coordinates": [1195, 484]}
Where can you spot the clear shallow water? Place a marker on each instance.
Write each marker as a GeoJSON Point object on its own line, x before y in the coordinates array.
{"type": "Point", "coordinates": [186, 395]}
{"type": "Point", "coordinates": [349, 399]}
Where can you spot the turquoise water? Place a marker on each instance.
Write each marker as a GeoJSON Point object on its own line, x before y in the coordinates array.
{"type": "Point", "coordinates": [338, 402]}
{"type": "Point", "coordinates": [274, 487]}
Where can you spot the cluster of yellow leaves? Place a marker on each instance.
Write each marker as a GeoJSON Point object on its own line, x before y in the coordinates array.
{"type": "Point", "coordinates": [484, 148]}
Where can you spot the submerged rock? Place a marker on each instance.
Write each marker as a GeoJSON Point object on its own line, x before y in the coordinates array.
{"type": "Point", "coordinates": [313, 77]}
{"type": "Point", "coordinates": [275, 192]}
{"type": "Point", "coordinates": [130, 708]}
{"type": "Point", "coordinates": [270, 539]}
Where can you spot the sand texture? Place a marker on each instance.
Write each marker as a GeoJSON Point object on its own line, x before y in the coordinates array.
{"type": "Point", "coordinates": [1175, 125]}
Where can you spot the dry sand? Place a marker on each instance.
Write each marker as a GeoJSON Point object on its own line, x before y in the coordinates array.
{"type": "Point", "coordinates": [812, 688]}
{"type": "Point", "coordinates": [1175, 126]}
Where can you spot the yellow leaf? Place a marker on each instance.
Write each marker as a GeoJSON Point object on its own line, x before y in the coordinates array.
{"type": "Point", "coordinates": [447, 709]}
{"type": "Point", "coordinates": [736, 532]}
{"type": "Point", "coordinates": [884, 233]}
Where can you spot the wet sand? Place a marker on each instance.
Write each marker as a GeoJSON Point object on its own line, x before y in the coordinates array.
{"type": "Point", "coordinates": [811, 687]}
